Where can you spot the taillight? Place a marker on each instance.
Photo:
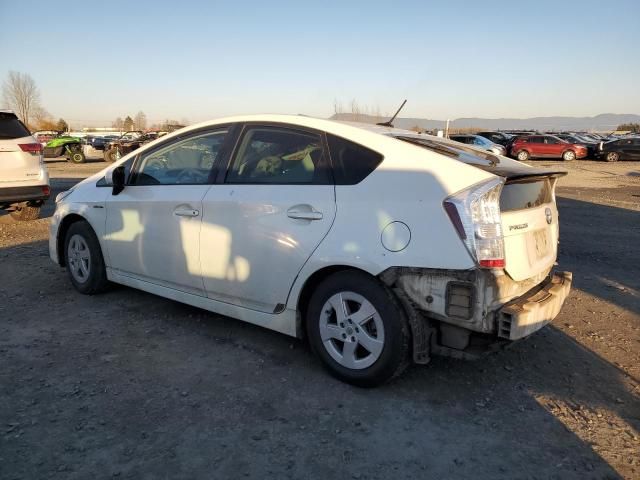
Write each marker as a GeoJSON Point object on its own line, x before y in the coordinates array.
{"type": "Point", "coordinates": [475, 214]}
{"type": "Point", "coordinates": [35, 148]}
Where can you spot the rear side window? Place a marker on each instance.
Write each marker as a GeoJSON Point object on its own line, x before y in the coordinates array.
{"type": "Point", "coordinates": [521, 195]}
{"type": "Point", "coordinates": [11, 127]}
{"type": "Point", "coordinates": [279, 156]}
{"type": "Point", "coordinates": [352, 163]}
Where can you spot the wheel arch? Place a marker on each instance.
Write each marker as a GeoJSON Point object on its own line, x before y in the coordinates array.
{"type": "Point", "coordinates": [309, 286]}
{"type": "Point", "coordinates": [65, 224]}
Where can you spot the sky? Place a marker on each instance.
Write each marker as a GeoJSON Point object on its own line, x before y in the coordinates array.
{"type": "Point", "coordinates": [199, 60]}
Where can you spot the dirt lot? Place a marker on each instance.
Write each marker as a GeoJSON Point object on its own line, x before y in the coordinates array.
{"type": "Point", "coordinates": [128, 385]}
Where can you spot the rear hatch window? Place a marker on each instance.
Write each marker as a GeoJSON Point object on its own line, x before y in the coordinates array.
{"type": "Point", "coordinates": [521, 195]}
{"type": "Point", "coordinates": [11, 127]}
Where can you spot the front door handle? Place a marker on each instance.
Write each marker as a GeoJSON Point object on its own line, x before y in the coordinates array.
{"type": "Point", "coordinates": [304, 212]}
{"type": "Point", "coordinates": [186, 212]}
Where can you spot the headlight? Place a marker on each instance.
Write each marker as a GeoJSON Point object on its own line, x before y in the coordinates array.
{"type": "Point", "coordinates": [62, 195]}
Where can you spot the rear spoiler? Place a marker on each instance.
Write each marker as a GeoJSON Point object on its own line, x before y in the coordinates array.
{"type": "Point", "coordinates": [518, 173]}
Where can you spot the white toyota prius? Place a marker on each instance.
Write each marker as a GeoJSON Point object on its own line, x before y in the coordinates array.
{"type": "Point", "coordinates": [380, 246]}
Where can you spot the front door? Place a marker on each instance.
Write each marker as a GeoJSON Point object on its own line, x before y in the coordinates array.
{"type": "Point", "coordinates": [261, 225]}
{"type": "Point", "coordinates": [153, 225]}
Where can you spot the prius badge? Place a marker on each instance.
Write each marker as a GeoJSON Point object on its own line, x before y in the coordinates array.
{"type": "Point", "coordinates": [547, 213]}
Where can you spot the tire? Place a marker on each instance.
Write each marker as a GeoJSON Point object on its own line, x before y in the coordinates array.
{"type": "Point", "coordinates": [385, 330]}
{"type": "Point", "coordinates": [83, 259]}
{"type": "Point", "coordinates": [75, 155]}
{"type": "Point", "coordinates": [569, 156]}
{"type": "Point", "coordinates": [111, 155]}
{"type": "Point", "coordinates": [612, 157]}
{"type": "Point", "coordinates": [25, 212]}
{"type": "Point", "coordinates": [523, 155]}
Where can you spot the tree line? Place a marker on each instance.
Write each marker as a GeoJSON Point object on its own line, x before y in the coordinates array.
{"type": "Point", "coordinates": [138, 122]}
{"type": "Point", "coordinates": [632, 127]}
{"type": "Point", "coordinates": [20, 93]}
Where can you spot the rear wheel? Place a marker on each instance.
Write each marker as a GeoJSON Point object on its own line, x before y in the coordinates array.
{"type": "Point", "coordinates": [569, 156]}
{"type": "Point", "coordinates": [112, 155]}
{"type": "Point", "coordinates": [358, 329]}
{"type": "Point", "coordinates": [83, 259]}
{"type": "Point", "coordinates": [612, 157]}
{"type": "Point", "coordinates": [25, 212]}
{"type": "Point", "coordinates": [523, 155]}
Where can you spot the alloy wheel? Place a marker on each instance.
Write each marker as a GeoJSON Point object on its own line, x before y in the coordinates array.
{"type": "Point", "coordinates": [79, 258]}
{"type": "Point", "coordinates": [351, 330]}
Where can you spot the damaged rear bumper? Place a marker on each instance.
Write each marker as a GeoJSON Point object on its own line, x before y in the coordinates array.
{"type": "Point", "coordinates": [465, 314]}
{"type": "Point", "coordinates": [529, 313]}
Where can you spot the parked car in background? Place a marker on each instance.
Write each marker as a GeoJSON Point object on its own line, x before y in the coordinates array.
{"type": "Point", "coordinates": [44, 136]}
{"type": "Point", "coordinates": [455, 259]}
{"type": "Point", "coordinates": [480, 142]}
{"type": "Point", "coordinates": [546, 146]}
{"type": "Point", "coordinates": [621, 149]}
{"type": "Point", "coordinates": [24, 181]}
{"type": "Point", "coordinates": [580, 140]}
{"type": "Point", "coordinates": [500, 138]}
{"type": "Point", "coordinates": [128, 142]}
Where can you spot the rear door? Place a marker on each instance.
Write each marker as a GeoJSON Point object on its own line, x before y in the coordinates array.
{"type": "Point", "coordinates": [634, 150]}
{"type": "Point", "coordinates": [536, 146]}
{"type": "Point", "coordinates": [274, 207]}
{"type": "Point", "coordinates": [530, 226]}
{"type": "Point", "coordinates": [630, 149]}
{"type": "Point", "coordinates": [17, 165]}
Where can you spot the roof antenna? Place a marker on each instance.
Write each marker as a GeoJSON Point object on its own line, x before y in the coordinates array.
{"type": "Point", "coordinates": [388, 122]}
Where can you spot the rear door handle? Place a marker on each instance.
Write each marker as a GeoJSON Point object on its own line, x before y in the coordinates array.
{"type": "Point", "coordinates": [304, 212]}
{"type": "Point", "coordinates": [186, 212]}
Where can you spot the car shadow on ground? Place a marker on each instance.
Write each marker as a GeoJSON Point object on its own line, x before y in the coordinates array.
{"type": "Point", "coordinates": [126, 383]}
{"type": "Point", "coordinates": [599, 244]}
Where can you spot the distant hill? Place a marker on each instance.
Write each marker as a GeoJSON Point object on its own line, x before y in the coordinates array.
{"type": "Point", "coordinates": [603, 122]}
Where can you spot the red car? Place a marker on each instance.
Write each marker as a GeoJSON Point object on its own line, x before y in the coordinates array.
{"type": "Point", "coordinates": [546, 146]}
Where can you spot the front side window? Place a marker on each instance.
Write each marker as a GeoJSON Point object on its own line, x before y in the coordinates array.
{"type": "Point", "coordinates": [182, 162]}
{"type": "Point", "coordinates": [276, 155]}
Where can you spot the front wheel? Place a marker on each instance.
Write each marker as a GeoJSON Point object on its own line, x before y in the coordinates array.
{"type": "Point", "coordinates": [569, 156]}
{"type": "Point", "coordinates": [83, 259]}
{"type": "Point", "coordinates": [358, 329]}
{"type": "Point", "coordinates": [612, 157]}
{"type": "Point", "coordinates": [75, 154]}
{"type": "Point", "coordinates": [523, 155]}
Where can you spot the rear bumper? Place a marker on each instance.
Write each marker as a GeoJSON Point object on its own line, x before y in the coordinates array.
{"type": "Point", "coordinates": [34, 193]}
{"type": "Point", "coordinates": [530, 312]}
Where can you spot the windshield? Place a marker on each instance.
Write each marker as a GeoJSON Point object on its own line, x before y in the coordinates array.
{"type": "Point", "coordinates": [478, 140]}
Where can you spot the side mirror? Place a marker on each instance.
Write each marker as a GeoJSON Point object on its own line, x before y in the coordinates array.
{"type": "Point", "coordinates": [117, 179]}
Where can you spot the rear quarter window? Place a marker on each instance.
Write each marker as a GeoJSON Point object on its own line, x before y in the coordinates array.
{"type": "Point", "coordinates": [352, 163]}
{"type": "Point", "coordinates": [11, 127]}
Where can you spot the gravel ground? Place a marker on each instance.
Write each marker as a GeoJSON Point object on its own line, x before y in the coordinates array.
{"type": "Point", "coordinates": [128, 385]}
